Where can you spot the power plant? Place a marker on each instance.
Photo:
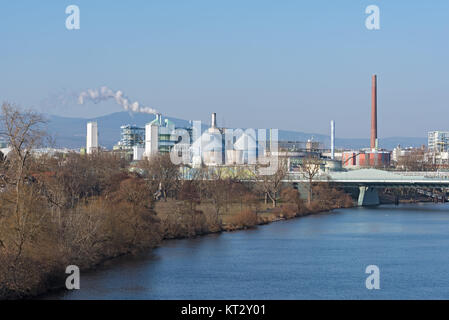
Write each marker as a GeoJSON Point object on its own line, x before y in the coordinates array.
{"type": "Point", "coordinates": [222, 146]}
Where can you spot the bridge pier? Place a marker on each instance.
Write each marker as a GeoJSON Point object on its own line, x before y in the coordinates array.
{"type": "Point", "coordinates": [368, 196]}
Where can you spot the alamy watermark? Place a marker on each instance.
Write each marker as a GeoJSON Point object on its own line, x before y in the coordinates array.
{"type": "Point", "coordinates": [72, 282]}
{"type": "Point", "coordinates": [372, 22]}
{"type": "Point", "coordinates": [72, 22]}
{"type": "Point", "coordinates": [373, 280]}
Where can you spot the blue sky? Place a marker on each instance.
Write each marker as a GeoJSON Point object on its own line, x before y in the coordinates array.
{"type": "Point", "coordinates": [284, 64]}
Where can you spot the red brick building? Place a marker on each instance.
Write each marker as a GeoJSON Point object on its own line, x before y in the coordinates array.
{"type": "Point", "coordinates": [366, 158]}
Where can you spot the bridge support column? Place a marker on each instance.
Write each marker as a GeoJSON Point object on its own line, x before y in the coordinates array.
{"type": "Point", "coordinates": [368, 196]}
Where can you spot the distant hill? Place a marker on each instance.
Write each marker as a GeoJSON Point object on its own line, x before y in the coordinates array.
{"type": "Point", "coordinates": [71, 132]}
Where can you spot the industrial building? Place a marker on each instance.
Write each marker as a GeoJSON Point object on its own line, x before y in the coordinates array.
{"type": "Point", "coordinates": [366, 158]}
{"type": "Point", "coordinates": [438, 141]}
{"type": "Point", "coordinates": [138, 142]}
{"type": "Point", "coordinates": [130, 136]}
{"type": "Point", "coordinates": [209, 148]}
{"type": "Point", "coordinates": [400, 152]}
{"type": "Point", "coordinates": [440, 158]}
{"type": "Point", "coordinates": [158, 136]}
{"type": "Point", "coordinates": [223, 146]}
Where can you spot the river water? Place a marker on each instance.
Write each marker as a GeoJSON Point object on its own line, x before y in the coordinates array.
{"type": "Point", "coordinates": [316, 257]}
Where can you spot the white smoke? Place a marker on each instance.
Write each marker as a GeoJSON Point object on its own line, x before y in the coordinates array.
{"type": "Point", "coordinates": [105, 93]}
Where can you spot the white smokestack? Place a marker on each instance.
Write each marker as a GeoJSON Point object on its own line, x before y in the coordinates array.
{"type": "Point", "coordinates": [92, 137]}
{"type": "Point", "coordinates": [105, 93]}
{"type": "Point", "coordinates": [332, 139]}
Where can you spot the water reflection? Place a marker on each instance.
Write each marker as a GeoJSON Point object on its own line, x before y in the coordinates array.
{"type": "Point", "coordinates": [316, 257]}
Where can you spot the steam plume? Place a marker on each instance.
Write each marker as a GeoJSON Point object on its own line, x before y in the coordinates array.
{"type": "Point", "coordinates": [105, 93]}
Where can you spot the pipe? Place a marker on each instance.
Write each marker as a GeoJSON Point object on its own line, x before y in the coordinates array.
{"type": "Point", "coordinates": [214, 120]}
{"type": "Point", "coordinates": [332, 139]}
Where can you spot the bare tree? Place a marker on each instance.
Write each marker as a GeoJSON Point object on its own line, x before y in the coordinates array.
{"type": "Point", "coordinates": [161, 170]}
{"type": "Point", "coordinates": [216, 187]}
{"type": "Point", "coordinates": [23, 132]}
{"type": "Point", "coordinates": [189, 195]}
{"type": "Point", "coordinates": [270, 184]}
{"type": "Point", "coordinates": [133, 208]}
{"type": "Point", "coordinates": [310, 167]}
{"type": "Point", "coordinates": [414, 161]}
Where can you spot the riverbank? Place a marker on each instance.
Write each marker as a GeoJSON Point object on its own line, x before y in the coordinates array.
{"type": "Point", "coordinates": [322, 256]}
{"type": "Point", "coordinates": [236, 217]}
{"type": "Point", "coordinates": [231, 222]}
{"type": "Point", "coordinates": [246, 220]}
{"type": "Point", "coordinates": [201, 219]}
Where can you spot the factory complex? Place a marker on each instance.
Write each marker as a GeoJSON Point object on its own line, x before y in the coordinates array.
{"type": "Point", "coordinates": [218, 146]}
{"type": "Point", "coordinates": [196, 145]}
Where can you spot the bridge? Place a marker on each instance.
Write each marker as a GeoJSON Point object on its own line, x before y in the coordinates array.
{"type": "Point", "coordinates": [370, 180]}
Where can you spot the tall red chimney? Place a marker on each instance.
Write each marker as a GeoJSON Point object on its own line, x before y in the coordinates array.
{"type": "Point", "coordinates": [374, 113]}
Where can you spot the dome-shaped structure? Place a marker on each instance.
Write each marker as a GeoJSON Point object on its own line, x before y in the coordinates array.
{"type": "Point", "coordinates": [246, 147]}
{"type": "Point", "coordinates": [208, 148]}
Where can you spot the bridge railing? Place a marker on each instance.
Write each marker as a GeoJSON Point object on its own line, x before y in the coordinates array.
{"type": "Point", "coordinates": [426, 174]}
{"type": "Point", "coordinates": [389, 176]}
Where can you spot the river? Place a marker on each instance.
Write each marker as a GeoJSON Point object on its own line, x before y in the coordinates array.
{"type": "Point", "coordinates": [322, 256]}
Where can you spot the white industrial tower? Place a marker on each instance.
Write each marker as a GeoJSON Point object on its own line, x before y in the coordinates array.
{"type": "Point", "coordinates": [92, 137]}
{"type": "Point", "coordinates": [151, 139]}
{"type": "Point", "coordinates": [332, 139]}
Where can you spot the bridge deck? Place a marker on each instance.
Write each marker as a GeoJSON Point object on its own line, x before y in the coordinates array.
{"type": "Point", "coordinates": [378, 178]}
